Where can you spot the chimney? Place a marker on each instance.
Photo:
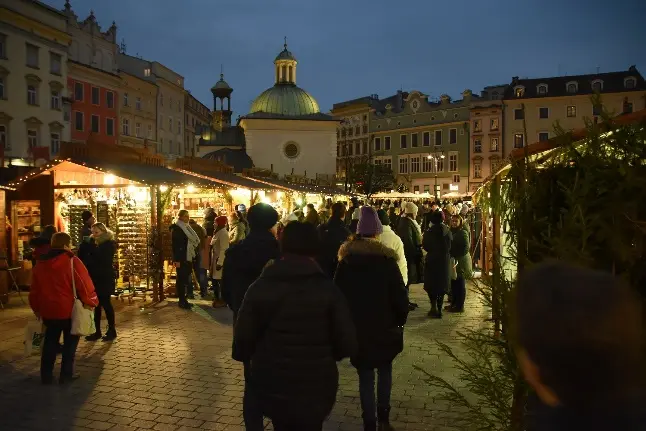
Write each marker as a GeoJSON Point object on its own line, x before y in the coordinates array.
{"type": "Point", "coordinates": [445, 98]}
{"type": "Point", "coordinates": [466, 95]}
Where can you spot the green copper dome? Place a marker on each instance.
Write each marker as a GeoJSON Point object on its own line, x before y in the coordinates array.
{"type": "Point", "coordinates": [285, 99]}
{"type": "Point", "coordinates": [285, 55]}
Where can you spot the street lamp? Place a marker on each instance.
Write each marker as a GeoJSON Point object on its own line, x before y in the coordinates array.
{"type": "Point", "coordinates": [435, 159]}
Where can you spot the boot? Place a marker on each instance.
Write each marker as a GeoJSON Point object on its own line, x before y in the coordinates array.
{"type": "Point", "coordinates": [433, 311]}
{"type": "Point", "coordinates": [383, 416]}
{"type": "Point", "coordinates": [369, 425]}
{"type": "Point", "coordinates": [110, 335]}
{"type": "Point", "coordinates": [94, 337]}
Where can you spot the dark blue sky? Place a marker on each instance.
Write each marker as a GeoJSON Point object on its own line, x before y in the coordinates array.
{"type": "Point", "coordinates": [347, 49]}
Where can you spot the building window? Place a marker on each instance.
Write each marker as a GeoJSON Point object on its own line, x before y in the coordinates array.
{"type": "Point", "coordinates": [453, 136]}
{"type": "Point", "coordinates": [453, 162]}
{"type": "Point", "coordinates": [109, 126]}
{"type": "Point", "coordinates": [377, 144]}
{"type": "Point", "coordinates": [543, 113]}
{"type": "Point", "coordinates": [494, 125]}
{"type": "Point", "coordinates": [78, 121]}
{"type": "Point", "coordinates": [438, 138]}
{"type": "Point", "coordinates": [403, 143]}
{"type": "Point", "coordinates": [146, 72]}
{"type": "Point", "coordinates": [426, 139]}
{"type": "Point", "coordinates": [597, 109]}
{"type": "Point", "coordinates": [519, 140]}
{"type": "Point", "coordinates": [138, 104]}
{"type": "Point", "coordinates": [403, 165]}
{"type": "Point", "coordinates": [4, 143]}
{"type": "Point", "coordinates": [541, 90]}
{"type": "Point", "coordinates": [357, 148]}
{"type": "Point", "coordinates": [96, 96]}
{"type": "Point", "coordinates": [519, 91]}
{"type": "Point", "coordinates": [493, 144]}
{"type": "Point", "coordinates": [439, 163]}
{"type": "Point", "coordinates": [427, 163]}
{"type": "Point", "coordinates": [32, 95]}
{"type": "Point", "coordinates": [477, 169]}
{"type": "Point", "coordinates": [150, 132]}
{"type": "Point", "coordinates": [388, 163]}
{"type": "Point", "coordinates": [387, 143]}
{"type": "Point", "coordinates": [427, 188]}
{"type": "Point", "coordinates": [54, 142]}
{"type": "Point", "coordinates": [109, 99]}
{"type": "Point", "coordinates": [357, 130]}
{"type": "Point", "coordinates": [495, 164]}
{"type": "Point", "coordinates": [477, 146]}
{"type": "Point", "coordinates": [161, 121]}
{"type": "Point", "coordinates": [55, 61]}
{"type": "Point", "coordinates": [179, 127]}
{"type": "Point", "coordinates": [125, 126]}
{"type": "Point", "coordinates": [597, 86]}
{"type": "Point", "coordinates": [350, 131]}
{"type": "Point", "coordinates": [32, 56]}
{"type": "Point", "coordinates": [365, 147]}
{"type": "Point", "coordinates": [519, 114]}
{"type": "Point", "coordinates": [365, 129]}
{"type": "Point", "coordinates": [138, 130]}
{"type": "Point", "coordinates": [170, 124]}
{"type": "Point", "coordinates": [125, 99]}
{"type": "Point", "coordinates": [413, 139]}
{"type": "Point", "coordinates": [3, 46]}
{"type": "Point", "coordinates": [477, 125]}
{"type": "Point", "coordinates": [414, 165]}
{"type": "Point", "coordinates": [350, 149]}
{"type": "Point", "coordinates": [571, 111]}
{"type": "Point", "coordinates": [56, 100]}
{"type": "Point", "coordinates": [32, 138]}
{"type": "Point", "coordinates": [2, 88]}
{"type": "Point", "coordinates": [495, 95]}
{"type": "Point", "coordinates": [572, 87]}
{"type": "Point", "coordinates": [543, 136]}
{"type": "Point", "coordinates": [95, 123]}
{"type": "Point", "coordinates": [78, 91]}
{"type": "Point", "coordinates": [630, 83]}
{"type": "Point", "coordinates": [456, 179]}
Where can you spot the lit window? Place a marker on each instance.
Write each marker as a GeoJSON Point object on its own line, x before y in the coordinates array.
{"type": "Point", "coordinates": [453, 162]}
{"type": "Point", "coordinates": [519, 140]}
{"type": "Point", "coordinates": [571, 111]}
{"type": "Point", "coordinates": [477, 126]}
{"type": "Point", "coordinates": [477, 146]}
{"type": "Point", "coordinates": [477, 169]}
{"type": "Point", "coordinates": [146, 72]}
{"type": "Point", "coordinates": [493, 144]}
{"type": "Point", "coordinates": [494, 124]}
{"type": "Point", "coordinates": [519, 91]}
{"type": "Point", "coordinates": [32, 138]}
{"type": "Point", "coordinates": [543, 136]}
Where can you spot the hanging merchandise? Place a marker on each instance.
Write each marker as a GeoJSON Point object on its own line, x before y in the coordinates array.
{"type": "Point", "coordinates": [133, 227]}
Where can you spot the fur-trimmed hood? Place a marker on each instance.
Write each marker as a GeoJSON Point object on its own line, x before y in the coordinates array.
{"type": "Point", "coordinates": [365, 247]}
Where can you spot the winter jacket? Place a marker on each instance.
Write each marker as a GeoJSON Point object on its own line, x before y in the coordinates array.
{"type": "Point", "coordinates": [370, 279]}
{"type": "Point", "coordinates": [179, 243]}
{"type": "Point", "coordinates": [201, 257]}
{"type": "Point", "coordinates": [243, 264]}
{"type": "Point", "coordinates": [237, 232]}
{"type": "Point", "coordinates": [332, 235]}
{"type": "Point", "coordinates": [312, 218]}
{"type": "Point", "coordinates": [41, 247]}
{"type": "Point", "coordinates": [51, 295]}
{"type": "Point", "coordinates": [411, 238]}
{"type": "Point", "coordinates": [99, 261]}
{"type": "Point", "coordinates": [437, 273]}
{"type": "Point", "coordinates": [209, 221]}
{"type": "Point", "coordinates": [294, 325]}
{"type": "Point", "coordinates": [460, 252]}
{"type": "Point", "coordinates": [391, 240]}
{"type": "Point", "coordinates": [219, 246]}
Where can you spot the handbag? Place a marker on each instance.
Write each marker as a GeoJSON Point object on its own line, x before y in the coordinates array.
{"type": "Point", "coordinates": [34, 335]}
{"type": "Point", "coordinates": [82, 318]}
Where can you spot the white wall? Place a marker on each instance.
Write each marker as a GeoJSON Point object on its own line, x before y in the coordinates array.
{"type": "Point", "coordinates": [316, 140]}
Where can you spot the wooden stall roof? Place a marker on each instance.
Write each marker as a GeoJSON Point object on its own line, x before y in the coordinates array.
{"type": "Point", "coordinates": [226, 179]}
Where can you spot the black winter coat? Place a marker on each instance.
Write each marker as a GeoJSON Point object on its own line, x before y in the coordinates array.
{"type": "Point", "coordinates": [410, 237]}
{"type": "Point", "coordinates": [243, 264]}
{"type": "Point", "coordinates": [293, 325]}
{"type": "Point", "coordinates": [99, 261]}
{"type": "Point", "coordinates": [332, 235]}
{"type": "Point", "coordinates": [179, 243]}
{"type": "Point", "coordinates": [437, 268]}
{"type": "Point", "coordinates": [370, 279]}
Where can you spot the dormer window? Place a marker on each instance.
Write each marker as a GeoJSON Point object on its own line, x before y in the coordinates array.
{"type": "Point", "coordinates": [597, 86]}
{"type": "Point", "coordinates": [541, 89]}
{"type": "Point", "coordinates": [630, 83]}
{"type": "Point", "coordinates": [519, 91]}
{"type": "Point", "coordinates": [572, 87]}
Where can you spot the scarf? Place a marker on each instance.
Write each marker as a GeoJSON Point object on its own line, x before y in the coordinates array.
{"type": "Point", "coordinates": [105, 236]}
{"type": "Point", "coordinates": [193, 240]}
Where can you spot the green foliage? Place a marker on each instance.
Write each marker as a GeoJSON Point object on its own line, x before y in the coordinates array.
{"type": "Point", "coordinates": [585, 203]}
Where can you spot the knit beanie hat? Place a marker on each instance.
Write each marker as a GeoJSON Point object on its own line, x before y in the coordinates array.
{"type": "Point", "coordinates": [383, 217]}
{"type": "Point", "coordinates": [262, 217]}
{"type": "Point", "coordinates": [86, 215]}
{"type": "Point", "coordinates": [369, 224]}
{"type": "Point", "coordinates": [221, 221]}
{"type": "Point", "coordinates": [410, 208]}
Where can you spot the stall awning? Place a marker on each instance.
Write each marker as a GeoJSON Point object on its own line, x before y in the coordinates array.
{"type": "Point", "coordinates": [226, 179]}
{"type": "Point", "coordinates": [301, 188]}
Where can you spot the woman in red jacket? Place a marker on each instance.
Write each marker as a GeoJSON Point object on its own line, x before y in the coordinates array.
{"type": "Point", "coordinates": [51, 298]}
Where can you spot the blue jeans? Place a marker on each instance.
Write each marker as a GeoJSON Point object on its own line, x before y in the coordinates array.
{"type": "Point", "coordinates": [367, 390]}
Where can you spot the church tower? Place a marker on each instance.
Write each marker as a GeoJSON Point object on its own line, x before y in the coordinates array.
{"type": "Point", "coordinates": [221, 116]}
{"type": "Point", "coordinates": [285, 67]}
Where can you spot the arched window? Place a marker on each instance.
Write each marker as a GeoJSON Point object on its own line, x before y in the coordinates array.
{"type": "Point", "coordinates": [31, 95]}
{"type": "Point", "coordinates": [630, 83]}
{"type": "Point", "coordinates": [519, 91]}
{"type": "Point", "coordinates": [284, 73]}
{"type": "Point", "coordinates": [291, 74]}
{"type": "Point", "coordinates": [541, 89]}
{"type": "Point", "coordinates": [597, 86]}
{"type": "Point", "coordinates": [572, 87]}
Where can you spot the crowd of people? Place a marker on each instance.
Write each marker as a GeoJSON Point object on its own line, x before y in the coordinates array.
{"type": "Point", "coordinates": [306, 294]}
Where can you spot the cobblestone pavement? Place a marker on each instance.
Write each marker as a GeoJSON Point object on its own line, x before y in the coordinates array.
{"type": "Point", "coordinates": [171, 369]}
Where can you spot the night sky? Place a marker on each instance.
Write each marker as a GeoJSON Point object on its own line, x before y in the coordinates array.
{"type": "Point", "coordinates": [353, 48]}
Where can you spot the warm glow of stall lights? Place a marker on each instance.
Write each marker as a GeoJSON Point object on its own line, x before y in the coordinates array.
{"type": "Point", "coordinates": [299, 201]}
{"type": "Point", "coordinates": [280, 194]}
{"type": "Point", "coordinates": [132, 189]}
{"type": "Point", "coordinates": [163, 189]}
{"type": "Point", "coordinates": [266, 200]}
{"type": "Point", "coordinates": [142, 195]}
{"type": "Point", "coordinates": [78, 202]}
{"type": "Point", "coordinates": [190, 189]}
{"type": "Point", "coordinates": [109, 179]}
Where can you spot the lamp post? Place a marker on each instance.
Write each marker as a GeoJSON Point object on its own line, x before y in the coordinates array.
{"type": "Point", "coordinates": [435, 159]}
{"type": "Point", "coordinates": [345, 152]}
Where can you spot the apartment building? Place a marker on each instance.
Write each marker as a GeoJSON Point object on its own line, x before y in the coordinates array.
{"type": "Point", "coordinates": [197, 119]}
{"type": "Point", "coordinates": [33, 78]}
{"type": "Point", "coordinates": [534, 107]}
{"type": "Point", "coordinates": [170, 110]}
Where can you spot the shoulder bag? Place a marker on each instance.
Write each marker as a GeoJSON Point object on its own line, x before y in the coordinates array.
{"type": "Point", "coordinates": [82, 318]}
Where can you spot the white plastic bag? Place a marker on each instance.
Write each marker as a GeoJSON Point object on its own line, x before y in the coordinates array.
{"type": "Point", "coordinates": [34, 336]}
{"type": "Point", "coordinates": [82, 318]}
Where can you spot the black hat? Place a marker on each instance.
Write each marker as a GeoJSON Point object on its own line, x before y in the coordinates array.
{"type": "Point", "coordinates": [262, 217]}
{"type": "Point", "coordinates": [383, 217]}
{"type": "Point", "coordinates": [86, 215]}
